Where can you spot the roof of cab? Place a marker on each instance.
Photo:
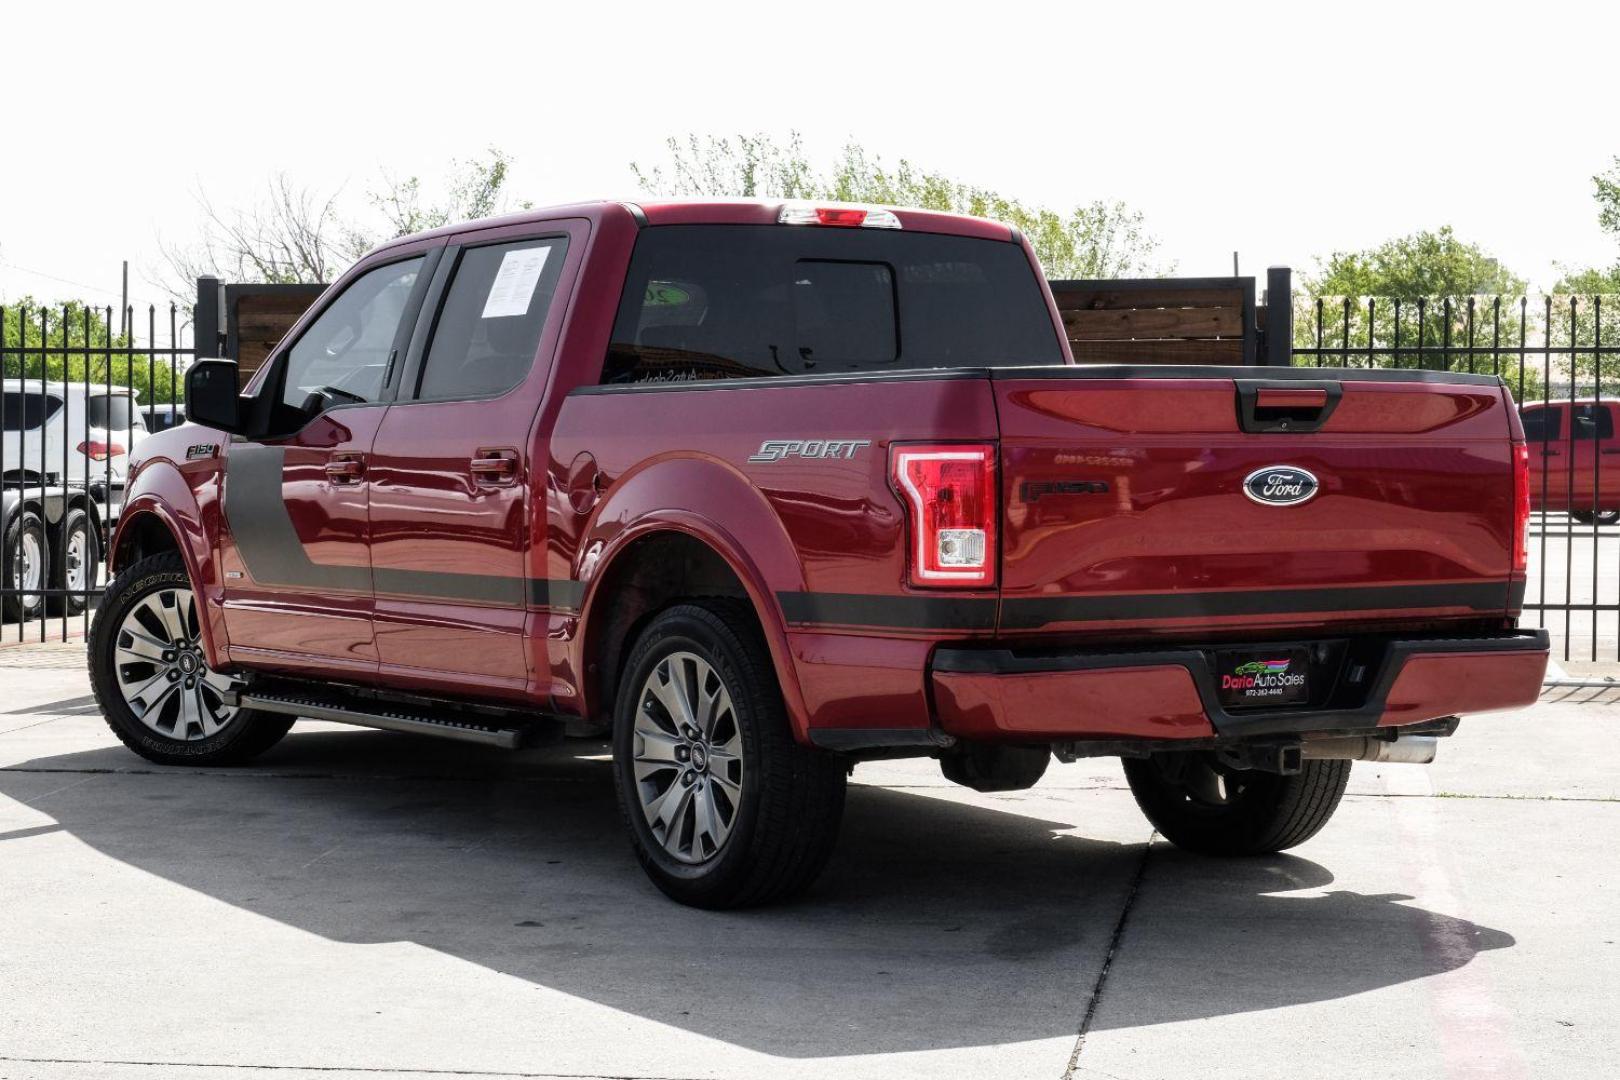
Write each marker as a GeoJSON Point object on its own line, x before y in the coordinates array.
{"type": "Point", "coordinates": [720, 212]}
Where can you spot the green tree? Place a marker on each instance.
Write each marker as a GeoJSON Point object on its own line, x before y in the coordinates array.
{"type": "Point", "coordinates": [1430, 290]}
{"type": "Point", "coordinates": [1431, 264]}
{"type": "Point", "coordinates": [1094, 240]}
{"type": "Point", "coordinates": [1607, 193]}
{"type": "Point", "coordinates": [476, 190]}
{"type": "Point", "coordinates": [75, 344]}
{"type": "Point", "coordinates": [295, 235]}
{"type": "Point", "coordinates": [1588, 300]}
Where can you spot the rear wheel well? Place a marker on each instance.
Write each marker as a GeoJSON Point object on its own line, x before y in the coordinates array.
{"type": "Point", "coordinates": [653, 573]}
{"type": "Point", "coordinates": [145, 535]}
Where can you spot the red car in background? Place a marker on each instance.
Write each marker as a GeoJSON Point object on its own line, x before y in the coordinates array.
{"type": "Point", "coordinates": [1569, 441]}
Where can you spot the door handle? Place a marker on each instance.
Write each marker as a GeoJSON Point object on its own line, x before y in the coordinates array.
{"type": "Point", "coordinates": [494, 466]}
{"type": "Point", "coordinates": [346, 470]}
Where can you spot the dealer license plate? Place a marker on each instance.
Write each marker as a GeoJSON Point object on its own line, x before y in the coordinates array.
{"type": "Point", "coordinates": [1246, 679]}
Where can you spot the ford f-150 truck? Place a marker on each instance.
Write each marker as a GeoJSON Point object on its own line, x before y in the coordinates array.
{"type": "Point", "coordinates": [763, 490]}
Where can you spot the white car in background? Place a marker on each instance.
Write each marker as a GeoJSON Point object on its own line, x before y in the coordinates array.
{"type": "Point", "coordinates": [64, 459]}
{"type": "Point", "coordinates": [67, 433]}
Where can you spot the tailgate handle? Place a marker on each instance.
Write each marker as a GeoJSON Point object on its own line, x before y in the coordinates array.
{"type": "Point", "coordinates": [1275, 406]}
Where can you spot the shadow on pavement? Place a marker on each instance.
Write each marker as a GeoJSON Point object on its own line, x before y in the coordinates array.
{"type": "Point", "coordinates": [937, 925]}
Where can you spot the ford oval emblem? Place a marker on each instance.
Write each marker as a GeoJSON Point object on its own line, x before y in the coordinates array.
{"type": "Point", "coordinates": [1280, 485]}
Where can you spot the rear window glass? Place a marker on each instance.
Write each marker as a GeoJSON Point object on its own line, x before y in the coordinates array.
{"type": "Point", "coordinates": [24, 411]}
{"type": "Point", "coordinates": [108, 411]}
{"type": "Point", "coordinates": [735, 301]}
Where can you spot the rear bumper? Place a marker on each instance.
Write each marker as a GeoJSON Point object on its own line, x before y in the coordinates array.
{"type": "Point", "coordinates": [1001, 695]}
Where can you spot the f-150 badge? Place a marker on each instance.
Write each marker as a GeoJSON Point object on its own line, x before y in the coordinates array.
{"type": "Point", "coordinates": [777, 449]}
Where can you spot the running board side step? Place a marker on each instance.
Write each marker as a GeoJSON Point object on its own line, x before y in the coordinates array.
{"type": "Point", "coordinates": [288, 705]}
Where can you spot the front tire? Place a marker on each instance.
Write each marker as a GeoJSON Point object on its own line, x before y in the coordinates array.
{"type": "Point", "coordinates": [1200, 805]}
{"type": "Point", "coordinates": [150, 679]}
{"type": "Point", "coordinates": [724, 808]}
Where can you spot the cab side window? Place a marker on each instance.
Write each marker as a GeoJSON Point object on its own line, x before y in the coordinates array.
{"type": "Point", "coordinates": [488, 328]}
{"type": "Point", "coordinates": [1541, 425]}
{"type": "Point", "coordinates": [345, 352]}
{"type": "Point", "coordinates": [1592, 422]}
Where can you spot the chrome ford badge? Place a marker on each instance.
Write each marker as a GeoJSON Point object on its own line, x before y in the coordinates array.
{"type": "Point", "coordinates": [1280, 485]}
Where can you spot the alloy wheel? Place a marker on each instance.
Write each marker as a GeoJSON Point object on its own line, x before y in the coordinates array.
{"type": "Point", "coordinates": [161, 671]}
{"type": "Point", "coordinates": [688, 757]}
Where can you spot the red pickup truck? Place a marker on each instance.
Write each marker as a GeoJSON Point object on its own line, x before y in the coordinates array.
{"type": "Point", "coordinates": [765, 490]}
{"type": "Point", "coordinates": [1567, 439]}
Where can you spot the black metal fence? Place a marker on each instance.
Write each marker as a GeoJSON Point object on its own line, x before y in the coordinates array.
{"type": "Point", "coordinates": [69, 369]}
{"type": "Point", "coordinates": [78, 391]}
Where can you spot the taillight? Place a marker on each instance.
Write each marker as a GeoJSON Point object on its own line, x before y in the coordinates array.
{"type": "Point", "coordinates": [950, 492]}
{"type": "Point", "coordinates": [100, 451]}
{"type": "Point", "coordinates": [849, 217]}
{"type": "Point", "coordinates": [1521, 506]}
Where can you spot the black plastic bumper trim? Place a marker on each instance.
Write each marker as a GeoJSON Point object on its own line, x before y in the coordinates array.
{"type": "Point", "coordinates": [1226, 724]}
{"type": "Point", "coordinates": [847, 739]}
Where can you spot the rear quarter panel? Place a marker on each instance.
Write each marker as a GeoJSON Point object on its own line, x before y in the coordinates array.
{"type": "Point", "coordinates": [818, 542]}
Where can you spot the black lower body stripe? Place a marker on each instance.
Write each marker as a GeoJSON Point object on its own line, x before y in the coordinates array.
{"type": "Point", "coordinates": [900, 612]}
{"type": "Point", "coordinates": [1032, 613]}
{"type": "Point", "coordinates": [556, 593]}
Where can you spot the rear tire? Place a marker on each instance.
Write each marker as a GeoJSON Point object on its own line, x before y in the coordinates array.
{"type": "Point", "coordinates": [148, 677]}
{"type": "Point", "coordinates": [78, 561]}
{"type": "Point", "coordinates": [1602, 517]}
{"type": "Point", "coordinates": [25, 566]}
{"type": "Point", "coordinates": [724, 808]}
{"type": "Point", "coordinates": [1199, 805]}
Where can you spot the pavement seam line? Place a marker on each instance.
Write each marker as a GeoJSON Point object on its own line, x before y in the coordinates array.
{"type": "Point", "coordinates": [1114, 940]}
{"type": "Point", "coordinates": [382, 1071]}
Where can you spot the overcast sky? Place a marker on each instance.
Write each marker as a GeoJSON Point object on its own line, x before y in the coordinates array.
{"type": "Point", "coordinates": [1282, 131]}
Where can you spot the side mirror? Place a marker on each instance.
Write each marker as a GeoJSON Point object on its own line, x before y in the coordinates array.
{"type": "Point", "coordinates": [211, 396]}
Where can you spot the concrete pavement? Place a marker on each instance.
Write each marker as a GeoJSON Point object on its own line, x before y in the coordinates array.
{"type": "Point", "coordinates": [359, 903]}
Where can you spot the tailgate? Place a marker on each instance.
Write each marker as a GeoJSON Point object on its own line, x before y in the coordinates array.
{"type": "Point", "coordinates": [1126, 509]}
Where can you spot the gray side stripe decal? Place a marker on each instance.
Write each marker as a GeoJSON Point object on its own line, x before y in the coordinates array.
{"type": "Point", "coordinates": [556, 592]}
{"type": "Point", "coordinates": [264, 533]}
{"type": "Point", "coordinates": [479, 588]}
{"type": "Point", "coordinates": [275, 556]}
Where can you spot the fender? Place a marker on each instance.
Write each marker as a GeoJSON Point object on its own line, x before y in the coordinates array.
{"type": "Point", "coordinates": [715, 504]}
{"type": "Point", "coordinates": [161, 491]}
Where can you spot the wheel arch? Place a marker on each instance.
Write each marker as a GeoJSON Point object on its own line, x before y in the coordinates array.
{"type": "Point", "coordinates": [142, 532]}
{"type": "Point", "coordinates": [150, 525]}
{"type": "Point", "coordinates": [660, 561]}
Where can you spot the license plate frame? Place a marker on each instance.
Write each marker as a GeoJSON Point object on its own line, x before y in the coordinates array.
{"type": "Point", "coordinates": [1263, 678]}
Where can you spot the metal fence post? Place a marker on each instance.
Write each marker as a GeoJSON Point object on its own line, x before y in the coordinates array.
{"type": "Point", "coordinates": [1279, 317]}
{"type": "Point", "coordinates": [208, 320]}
